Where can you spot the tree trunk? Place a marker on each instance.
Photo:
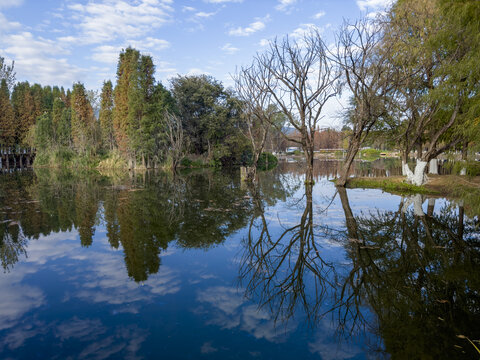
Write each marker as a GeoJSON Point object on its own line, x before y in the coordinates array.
{"type": "Point", "coordinates": [417, 177]}
{"type": "Point", "coordinates": [433, 167]}
{"type": "Point", "coordinates": [404, 162]}
{"type": "Point", "coordinates": [353, 148]}
{"type": "Point", "coordinates": [309, 173]}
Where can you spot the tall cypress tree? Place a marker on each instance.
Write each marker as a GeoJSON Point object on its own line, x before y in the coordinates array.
{"type": "Point", "coordinates": [57, 111]}
{"type": "Point", "coordinates": [83, 121]}
{"type": "Point", "coordinates": [106, 115]}
{"type": "Point", "coordinates": [7, 118]}
{"type": "Point", "coordinates": [126, 72]}
{"type": "Point", "coordinates": [27, 107]}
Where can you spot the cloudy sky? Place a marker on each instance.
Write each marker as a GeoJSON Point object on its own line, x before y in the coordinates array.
{"type": "Point", "coordinates": [62, 41]}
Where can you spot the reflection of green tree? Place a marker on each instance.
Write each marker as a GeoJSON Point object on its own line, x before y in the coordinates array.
{"type": "Point", "coordinates": [419, 274]}
{"type": "Point", "coordinates": [142, 213]}
{"type": "Point", "coordinates": [86, 205]}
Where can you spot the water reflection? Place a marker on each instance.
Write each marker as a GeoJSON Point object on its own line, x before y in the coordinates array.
{"type": "Point", "coordinates": [142, 215]}
{"type": "Point", "coordinates": [286, 271]}
{"type": "Point", "coordinates": [415, 271]}
{"type": "Point", "coordinates": [91, 260]}
{"type": "Point", "coordinates": [419, 273]}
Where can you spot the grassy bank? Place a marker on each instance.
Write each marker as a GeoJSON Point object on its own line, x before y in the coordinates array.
{"type": "Point", "coordinates": [395, 185]}
{"type": "Point", "coordinates": [439, 185]}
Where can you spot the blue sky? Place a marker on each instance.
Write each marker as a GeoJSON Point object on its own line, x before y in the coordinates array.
{"type": "Point", "coordinates": [58, 42]}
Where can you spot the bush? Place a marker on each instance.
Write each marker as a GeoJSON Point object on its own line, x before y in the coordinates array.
{"type": "Point", "coordinates": [267, 161]}
{"type": "Point", "coordinates": [113, 161]}
{"type": "Point", "coordinates": [185, 162]}
{"type": "Point", "coordinates": [472, 167]}
{"type": "Point", "coordinates": [370, 153]}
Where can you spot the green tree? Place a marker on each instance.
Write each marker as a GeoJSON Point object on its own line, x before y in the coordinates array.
{"type": "Point", "coordinates": [210, 117]}
{"type": "Point", "coordinates": [27, 107]}
{"type": "Point", "coordinates": [106, 115]}
{"type": "Point", "coordinates": [126, 71]}
{"type": "Point", "coordinates": [43, 132]}
{"type": "Point", "coordinates": [7, 118]}
{"type": "Point", "coordinates": [57, 111]}
{"type": "Point", "coordinates": [83, 121]}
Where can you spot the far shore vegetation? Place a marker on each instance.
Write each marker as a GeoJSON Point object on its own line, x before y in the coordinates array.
{"type": "Point", "coordinates": [411, 74]}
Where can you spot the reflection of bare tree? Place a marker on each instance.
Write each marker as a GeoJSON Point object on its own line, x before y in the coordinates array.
{"type": "Point", "coordinates": [417, 273]}
{"type": "Point", "coordinates": [287, 271]}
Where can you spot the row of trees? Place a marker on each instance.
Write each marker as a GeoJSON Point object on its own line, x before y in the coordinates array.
{"type": "Point", "coordinates": [411, 75]}
{"type": "Point", "coordinates": [136, 118]}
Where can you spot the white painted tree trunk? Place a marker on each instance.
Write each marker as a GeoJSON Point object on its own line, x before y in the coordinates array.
{"type": "Point", "coordinates": [404, 173]}
{"type": "Point", "coordinates": [418, 176]}
{"type": "Point", "coordinates": [433, 167]}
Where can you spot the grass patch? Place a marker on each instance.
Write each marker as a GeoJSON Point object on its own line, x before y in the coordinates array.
{"type": "Point", "coordinates": [394, 185]}
{"type": "Point", "coordinates": [113, 161]}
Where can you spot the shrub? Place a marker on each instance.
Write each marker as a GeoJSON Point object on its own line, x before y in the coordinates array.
{"type": "Point", "coordinates": [267, 161]}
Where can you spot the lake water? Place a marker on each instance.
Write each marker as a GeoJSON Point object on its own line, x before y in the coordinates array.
{"type": "Point", "coordinates": [201, 266]}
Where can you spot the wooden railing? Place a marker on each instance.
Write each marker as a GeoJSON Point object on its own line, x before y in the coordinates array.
{"type": "Point", "coordinates": [12, 157]}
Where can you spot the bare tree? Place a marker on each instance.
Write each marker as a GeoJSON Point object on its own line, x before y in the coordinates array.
{"type": "Point", "coordinates": [177, 143]}
{"type": "Point", "coordinates": [259, 113]}
{"type": "Point", "coordinates": [7, 72]}
{"type": "Point", "coordinates": [368, 75]}
{"type": "Point", "coordinates": [299, 79]}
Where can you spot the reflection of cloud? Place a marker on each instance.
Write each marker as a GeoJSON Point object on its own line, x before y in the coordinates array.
{"type": "Point", "coordinates": [16, 300]}
{"type": "Point", "coordinates": [17, 336]}
{"type": "Point", "coordinates": [230, 310]}
{"type": "Point", "coordinates": [107, 283]}
{"type": "Point", "coordinates": [124, 342]}
{"type": "Point", "coordinates": [52, 247]}
{"type": "Point", "coordinates": [330, 348]}
{"type": "Point", "coordinates": [207, 348]}
{"type": "Point", "coordinates": [87, 329]}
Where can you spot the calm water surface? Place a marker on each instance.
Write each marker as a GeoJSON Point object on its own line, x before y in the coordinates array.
{"type": "Point", "coordinates": [201, 266]}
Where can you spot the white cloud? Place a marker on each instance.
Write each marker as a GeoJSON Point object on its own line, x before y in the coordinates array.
{"type": "Point", "coordinates": [264, 42]}
{"type": "Point", "coordinates": [303, 29]}
{"type": "Point", "coordinates": [188, 9]}
{"type": "Point", "coordinates": [229, 49]}
{"type": "Point", "coordinates": [202, 14]}
{"type": "Point", "coordinates": [319, 15]}
{"type": "Point", "coordinates": [10, 3]}
{"type": "Point", "coordinates": [373, 4]}
{"type": "Point", "coordinates": [197, 71]}
{"type": "Point", "coordinates": [108, 20]}
{"type": "Point", "coordinates": [109, 53]}
{"type": "Point", "coordinates": [6, 25]}
{"type": "Point", "coordinates": [285, 5]}
{"type": "Point", "coordinates": [106, 54]}
{"type": "Point", "coordinates": [149, 43]}
{"type": "Point", "coordinates": [41, 60]}
{"type": "Point", "coordinates": [257, 25]}
{"type": "Point", "coordinates": [223, 1]}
